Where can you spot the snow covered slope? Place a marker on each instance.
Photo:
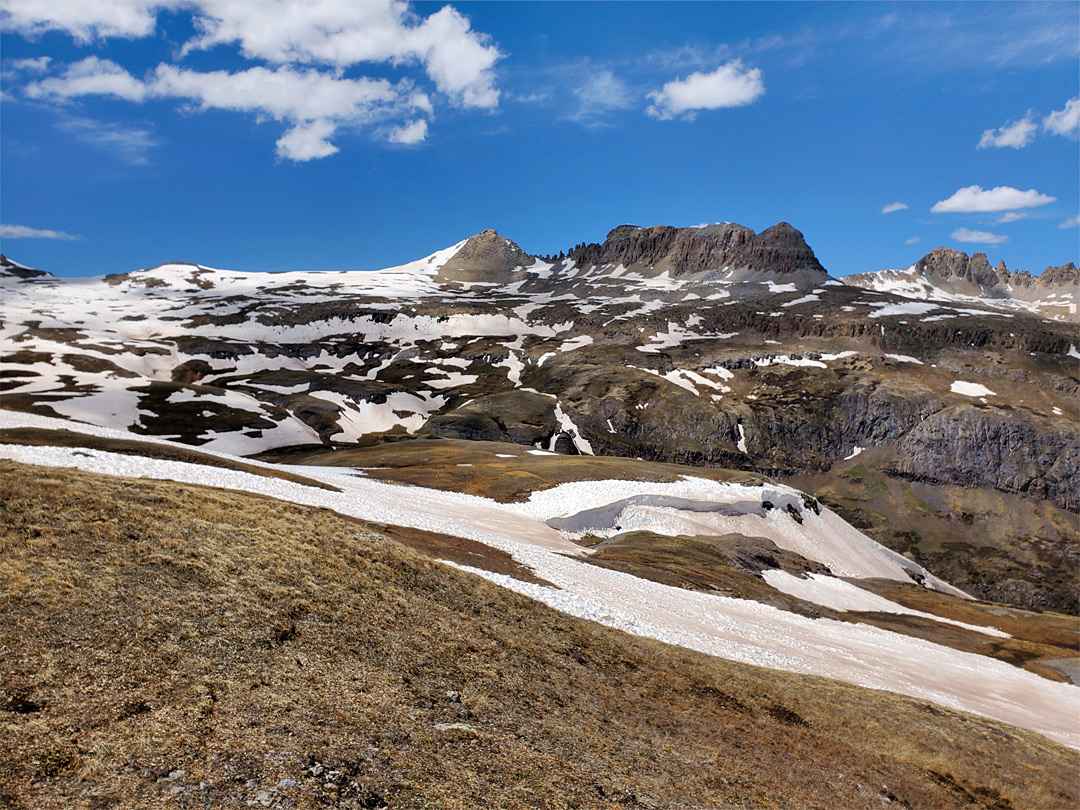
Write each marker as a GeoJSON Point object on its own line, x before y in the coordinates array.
{"type": "Point", "coordinates": [737, 629]}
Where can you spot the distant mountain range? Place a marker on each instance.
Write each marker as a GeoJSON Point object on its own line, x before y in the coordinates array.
{"type": "Point", "coordinates": [712, 346]}
{"type": "Point", "coordinates": [947, 274]}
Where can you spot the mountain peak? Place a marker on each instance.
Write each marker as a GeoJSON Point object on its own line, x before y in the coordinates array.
{"type": "Point", "coordinates": [735, 250]}
{"type": "Point", "coordinates": [485, 258]}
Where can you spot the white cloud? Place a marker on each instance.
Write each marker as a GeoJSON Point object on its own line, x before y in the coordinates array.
{"type": "Point", "coordinates": [314, 104]}
{"type": "Point", "coordinates": [130, 144]}
{"type": "Point", "coordinates": [91, 76]}
{"type": "Point", "coordinates": [973, 199]}
{"type": "Point", "coordinates": [36, 65]}
{"type": "Point", "coordinates": [23, 232]}
{"type": "Point", "coordinates": [896, 206]}
{"type": "Point", "coordinates": [1074, 222]}
{"type": "Point", "coordinates": [409, 134]}
{"type": "Point", "coordinates": [1066, 121]}
{"type": "Point", "coordinates": [84, 20]}
{"type": "Point", "coordinates": [329, 32]}
{"type": "Point", "coordinates": [457, 59]}
{"type": "Point", "coordinates": [1016, 134]}
{"type": "Point", "coordinates": [600, 93]}
{"type": "Point", "coordinates": [284, 93]}
{"type": "Point", "coordinates": [1012, 216]}
{"type": "Point", "coordinates": [308, 45]}
{"type": "Point", "coordinates": [913, 240]}
{"type": "Point", "coordinates": [978, 237]}
{"type": "Point", "coordinates": [307, 141]}
{"type": "Point", "coordinates": [730, 85]}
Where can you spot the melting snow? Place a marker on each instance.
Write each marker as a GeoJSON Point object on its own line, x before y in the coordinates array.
{"type": "Point", "coordinates": [839, 594]}
{"type": "Point", "coordinates": [907, 308]}
{"type": "Point", "coordinates": [970, 389]}
{"type": "Point", "coordinates": [740, 630]}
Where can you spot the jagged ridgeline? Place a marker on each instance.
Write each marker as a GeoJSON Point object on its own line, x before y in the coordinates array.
{"type": "Point", "coordinates": [936, 406]}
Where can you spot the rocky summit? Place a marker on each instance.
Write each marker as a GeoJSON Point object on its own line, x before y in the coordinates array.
{"type": "Point", "coordinates": [948, 274]}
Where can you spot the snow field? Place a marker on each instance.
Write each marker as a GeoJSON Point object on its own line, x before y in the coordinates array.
{"type": "Point", "coordinates": [740, 630]}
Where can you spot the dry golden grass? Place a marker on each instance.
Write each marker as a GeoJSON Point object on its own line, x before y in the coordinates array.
{"type": "Point", "coordinates": [174, 646]}
{"type": "Point", "coordinates": [504, 472]}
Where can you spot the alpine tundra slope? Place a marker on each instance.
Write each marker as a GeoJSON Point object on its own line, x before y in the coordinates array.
{"type": "Point", "coordinates": [694, 435]}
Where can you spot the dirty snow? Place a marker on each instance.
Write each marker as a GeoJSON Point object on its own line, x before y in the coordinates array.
{"type": "Point", "coordinates": [904, 358]}
{"type": "Point", "coordinates": [739, 630]}
{"type": "Point", "coordinates": [970, 389]}
{"type": "Point", "coordinates": [840, 594]}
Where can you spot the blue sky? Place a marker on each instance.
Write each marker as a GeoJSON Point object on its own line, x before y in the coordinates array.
{"type": "Point", "coordinates": [333, 135]}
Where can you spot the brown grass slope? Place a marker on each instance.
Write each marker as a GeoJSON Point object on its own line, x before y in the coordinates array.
{"type": "Point", "coordinates": [173, 646]}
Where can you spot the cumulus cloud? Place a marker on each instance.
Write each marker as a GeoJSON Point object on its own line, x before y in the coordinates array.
{"type": "Point", "coordinates": [307, 141]}
{"type": "Point", "coordinates": [1016, 134]}
{"type": "Point", "coordinates": [600, 93]}
{"type": "Point", "coordinates": [314, 104]}
{"type": "Point", "coordinates": [978, 237]}
{"type": "Point", "coordinates": [84, 20]}
{"type": "Point", "coordinates": [457, 59]}
{"type": "Point", "coordinates": [730, 85]}
{"type": "Point", "coordinates": [973, 199]}
{"type": "Point", "coordinates": [1074, 222]}
{"type": "Point", "coordinates": [913, 240]}
{"type": "Point", "coordinates": [91, 76]}
{"type": "Point", "coordinates": [1066, 121]}
{"type": "Point", "coordinates": [308, 45]}
{"type": "Point", "coordinates": [1012, 216]}
{"type": "Point", "coordinates": [409, 134]}
{"type": "Point", "coordinates": [896, 206]}
{"type": "Point", "coordinates": [23, 232]}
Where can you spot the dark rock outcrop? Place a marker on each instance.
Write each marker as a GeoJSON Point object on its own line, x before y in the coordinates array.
{"type": "Point", "coordinates": [515, 416]}
{"type": "Point", "coordinates": [10, 268]}
{"type": "Point", "coordinates": [777, 251]}
{"type": "Point", "coordinates": [980, 447]}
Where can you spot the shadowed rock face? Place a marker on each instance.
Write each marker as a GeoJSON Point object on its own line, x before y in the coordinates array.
{"type": "Point", "coordinates": [977, 447]}
{"type": "Point", "coordinates": [486, 258]}
{"type": "Point", "coordinates": [776, 251]}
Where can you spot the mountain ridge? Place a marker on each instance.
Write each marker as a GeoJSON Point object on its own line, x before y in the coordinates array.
{"type": "Point", "coordinates": [949, 273]}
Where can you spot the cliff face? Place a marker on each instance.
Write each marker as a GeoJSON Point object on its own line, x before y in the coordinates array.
{"type": "Point", "coordinates": [776, 251]}
{"type": "Point", "coordinates": [971, 446]}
